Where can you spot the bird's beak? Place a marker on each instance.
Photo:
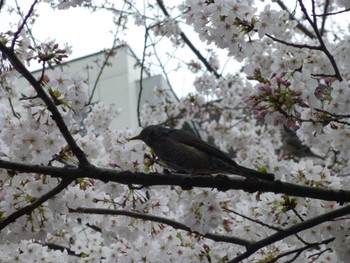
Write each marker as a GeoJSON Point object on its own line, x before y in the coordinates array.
{"type": "Point", "coordinates": [137, 137]}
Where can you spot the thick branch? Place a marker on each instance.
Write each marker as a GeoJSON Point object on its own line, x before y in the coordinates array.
{"type": "Point", "coordinates": [162, 220]}
{"type": "Point", "coordinates": [291, 231]}
{"type": "Point", "coordinates": [56, 116]}
{"type": "Point", "coordinates": [186, 181]}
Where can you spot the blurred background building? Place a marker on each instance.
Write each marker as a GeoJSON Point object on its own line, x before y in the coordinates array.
{"type": "Point", "coordinates": [115, 77]}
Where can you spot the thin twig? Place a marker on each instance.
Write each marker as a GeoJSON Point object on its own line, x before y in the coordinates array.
{"type": "Point", "coordinates": [29, 31]}
{"type": "Point", "coordinates": [190, 45]}
{"type": "Point", "coordinates": [60, 248]}
{"type": "Point", "coordinates": [265, 225]}
{"type": "Point", "coordinates": [162, 220]}
{"type": "Point", "coordinates": [104, 64]}
{"type": "Point", "coordinates": [324, 18]}
{"type": "Point", "coordinates": [300, 26]}
{"type": "Point", "coordinates": [307, 224]}
{"type": "Point", "coordinates": [294, 44]}
{"type": "Point", "coordinates": [163, 69]}
{"type": "Point", "coordinates": [107, 57]}
{"type": "Point", "coordinates": [334, 13]}
{"type": "Point", "coordinates": [13, 109]}
{"type": "Point", "coordinates": [141, 77]}
{"type": "Point", "coordinates": [298, 251]}
{"type": "Point", "coordinates": [315, 256]}
{"type": "Point", "coordinates": [320, 40]}
{"type": "Point", "coordinates": [30, 11]}
{"type": "Point", "coordinates": [254, 220]}
{"type": "Point", "coordinates": [29, 208]}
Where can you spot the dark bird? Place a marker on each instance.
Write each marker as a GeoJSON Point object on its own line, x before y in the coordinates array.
{"type": "Point", "coordinates": [184, 152]}
{"type": "Point", "coordinates": [293, 147]}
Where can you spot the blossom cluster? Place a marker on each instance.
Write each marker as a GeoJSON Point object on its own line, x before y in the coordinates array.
{"type": "Point", "coordinates": [64, 4]}
{"type": "Point", "coordinates": [169, 28]}
{"type": "Point", "coordinates": [233, 24]}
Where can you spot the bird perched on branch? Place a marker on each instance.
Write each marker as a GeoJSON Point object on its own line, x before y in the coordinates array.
{"type": "Point", "coordinates": [182, 151]}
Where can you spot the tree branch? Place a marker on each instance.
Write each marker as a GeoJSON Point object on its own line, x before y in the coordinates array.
{"type": "Point", "coordinates": [108, 54]}
{"type": "Point", "coordinates": [291, 231]}
{"type": "Point", "coordinates": [29, 31]}
{"type": "Point", "coordinates": [190, 45]}
{"type": "Point", "coordinates": [300, 26]}
{"type": "Point", "coordinates": [253, 220]}
{"type": "Point", "coordinates": [15, 36]}
{"type": "Point", "coordinates": [298, 251]}
{"type": "Point", "coordinates": [324, 18]}
{"type": "Point", "coordinates": [162, 220]}
{"type": "Point", "coordinates": [138, 109]}
{"type": "Point", "coordinates": [294, 44]}
{"type": "Point", "coordinates": [186, 181]}
{"type": "Point", "coordinates": [56, 116]}
{"type": "Point", "coordinates": [334, 13]}
{"type": "Point", "coordinates": [105, 62]}
{"type": "Point", "coordinates": [60, 248]}
{"type": "Point", "coordinates": [29, 208]}
{"type": "Point", "coordinates": [320, 40]}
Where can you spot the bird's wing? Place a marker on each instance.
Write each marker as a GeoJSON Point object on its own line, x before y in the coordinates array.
{"type": "Point", "coordinates": [191, 140]}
